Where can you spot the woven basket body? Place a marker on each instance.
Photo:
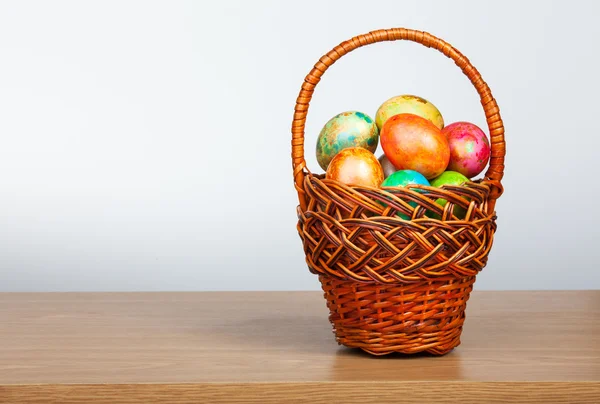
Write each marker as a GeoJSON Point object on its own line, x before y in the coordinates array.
{"type": "Point", "coordinates": [396, 285]}
{"type": "Point", "coordinates": [424, 316]}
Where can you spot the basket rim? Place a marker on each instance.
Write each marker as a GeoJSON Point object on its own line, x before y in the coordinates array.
{"type": "Point", "coordinates": [400, 198]}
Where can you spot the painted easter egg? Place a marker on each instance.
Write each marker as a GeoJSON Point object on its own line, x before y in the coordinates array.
{"type": "Point", "coordinates": [386, 164]}
{"type": "Point", "coordinates": [449, 178]}
{"type": "Point", "coordinates": [414, 143]}
{"type": "Point", "coordinates": [469, 148]}
{"type": "Point", "coordinates": [348, 129]}
{"type": "Point", "coordinates": [403, 178]}
{"type": "Point", "coordinates": [356, 166]}
{"type": "Point", "coordinates": [408, 104]}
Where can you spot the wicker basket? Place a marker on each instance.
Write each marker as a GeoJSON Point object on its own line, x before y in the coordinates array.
{"type": "Point", "coordinates": [395, 285]}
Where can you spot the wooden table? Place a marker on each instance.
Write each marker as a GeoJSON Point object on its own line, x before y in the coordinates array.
{"type": "Point", "coordinates": [268, 347]}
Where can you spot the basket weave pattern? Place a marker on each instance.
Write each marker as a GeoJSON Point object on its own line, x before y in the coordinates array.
{"type": "Point", "coordinates": [395, 285]}
{"type": "Point", "coordinates": [398, 318]}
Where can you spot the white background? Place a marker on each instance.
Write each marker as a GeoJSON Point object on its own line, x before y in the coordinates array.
{"type": "Point", "coordinates": [146, 145]}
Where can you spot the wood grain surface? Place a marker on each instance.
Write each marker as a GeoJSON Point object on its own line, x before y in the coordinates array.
{"type": "Point", "coordinates": [273, 346]}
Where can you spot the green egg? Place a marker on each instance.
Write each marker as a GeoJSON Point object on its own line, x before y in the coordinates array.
{"type": "Point", "coordinates": [449, 178]}
{"type": "Point", "coordinates": [345, 130]}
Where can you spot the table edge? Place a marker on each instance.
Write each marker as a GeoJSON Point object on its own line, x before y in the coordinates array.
{"type": "Point", "coordinates": [309, 392]}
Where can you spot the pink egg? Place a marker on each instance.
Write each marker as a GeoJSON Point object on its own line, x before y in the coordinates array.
{"type": "Point", "coordinates": [469, 148]}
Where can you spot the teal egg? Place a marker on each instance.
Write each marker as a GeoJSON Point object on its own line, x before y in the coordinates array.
{"type": "Point", "coordinates": [348, 129]}
{"type": "Point", "coordinates": [449, 178]}
{"type": "Point", "coordinates": [403, 178]}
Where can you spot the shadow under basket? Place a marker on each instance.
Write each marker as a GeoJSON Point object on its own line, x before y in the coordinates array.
{"type": "Point", "coordinates": [396, 266]}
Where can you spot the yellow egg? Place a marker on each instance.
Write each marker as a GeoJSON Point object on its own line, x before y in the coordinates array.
{"type": "Point", "coordinates": [408, 104]}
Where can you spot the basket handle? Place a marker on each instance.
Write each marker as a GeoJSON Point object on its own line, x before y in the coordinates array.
{"type": "Point", "coordinates": [495, 171]}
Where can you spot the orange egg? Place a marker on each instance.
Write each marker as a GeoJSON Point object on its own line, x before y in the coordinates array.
{"type": "Point", "coordinates": [356, 166]}
{"type": "Point", "coordinates": [414, 143]}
